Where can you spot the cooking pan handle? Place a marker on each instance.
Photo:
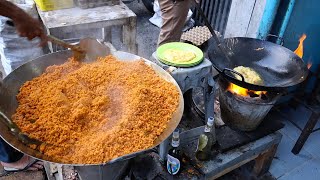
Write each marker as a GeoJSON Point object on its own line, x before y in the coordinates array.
{"type": "Point", "coordinates": [280, 39]}
{"type": "Point", "coordinates": [232, 71]}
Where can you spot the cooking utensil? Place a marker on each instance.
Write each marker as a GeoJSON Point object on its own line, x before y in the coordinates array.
{"type": "Point", "coordinates": [34, 68]}
{"type": "Point", "coordinates": [78, 53]}
{"type": "Point", "coordinates": [87, 49]}
{"type": "Point", "coordinates": [278, 66]}
{"type": "Point", "coordinates": [183, 47]}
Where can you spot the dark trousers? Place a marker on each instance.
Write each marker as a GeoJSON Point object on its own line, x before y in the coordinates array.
{"type": "Point", "coordinates": [8, 154]}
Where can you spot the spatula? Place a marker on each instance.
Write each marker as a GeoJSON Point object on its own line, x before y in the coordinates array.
{"type": "Point", "coordinates": [87, 49]}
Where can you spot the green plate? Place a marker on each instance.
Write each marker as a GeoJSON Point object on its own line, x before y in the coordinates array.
{"type": "Point", "coordinates": [180, 46]}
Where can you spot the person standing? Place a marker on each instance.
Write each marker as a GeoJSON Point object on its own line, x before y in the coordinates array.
{"type": "Point", "coordinates": [174, 15]}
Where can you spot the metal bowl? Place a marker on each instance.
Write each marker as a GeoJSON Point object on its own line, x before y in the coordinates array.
{"type": "Point", "coordinates": [13, 82]}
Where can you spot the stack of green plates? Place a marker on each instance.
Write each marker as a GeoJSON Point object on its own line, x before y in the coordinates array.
{"type": "Point", "coordinates": [180, 46]}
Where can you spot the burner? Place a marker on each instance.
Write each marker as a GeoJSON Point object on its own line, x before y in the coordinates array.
{"type": "Point", "coordinates": [244, 111]}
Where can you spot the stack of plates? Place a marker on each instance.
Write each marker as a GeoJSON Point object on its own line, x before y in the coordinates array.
{"type": "Point", "coordinates": [182, 47]}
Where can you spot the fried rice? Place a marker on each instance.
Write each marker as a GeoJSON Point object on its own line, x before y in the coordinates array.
{"type": "Point", "coordinates": [92, 113]}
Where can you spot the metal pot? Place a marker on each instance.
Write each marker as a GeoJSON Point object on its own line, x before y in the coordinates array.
{"type": "Point", "coordinates": [244, 113]}
{"type": "Point", "coordinates": [12, 83]}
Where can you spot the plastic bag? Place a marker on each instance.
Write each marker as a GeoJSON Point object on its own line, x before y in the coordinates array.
{"type": "Point", "coordinates": [156, 18]}
{"type": "Point", "coordinates": [16, 50]}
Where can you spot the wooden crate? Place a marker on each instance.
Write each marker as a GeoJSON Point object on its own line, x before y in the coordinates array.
{"type": "Point", "coordinates": [85, 4]}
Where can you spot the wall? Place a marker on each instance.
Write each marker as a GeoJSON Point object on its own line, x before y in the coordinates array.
{"type": "Point", "coordinates": [246, 18]}
{"type": "Point", "coordinates": [305, 18]}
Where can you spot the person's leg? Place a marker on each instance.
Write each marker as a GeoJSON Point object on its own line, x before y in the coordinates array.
{"type": "Point", "coordinates": [8, 154]}
{"type": "Point", "coordinates": [174, 15]}
{"type": "Point", "coordinates": [11, 158]}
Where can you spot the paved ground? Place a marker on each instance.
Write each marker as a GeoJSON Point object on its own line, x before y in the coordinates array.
{"type": "Point", "coordinates": [37, 175]}
{"type": "Point", "coordinates": [305, 165]}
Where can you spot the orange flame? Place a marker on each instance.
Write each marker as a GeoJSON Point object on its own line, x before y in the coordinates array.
{"type": "Point", "coordinates": [299, 50]}
{"type": "Point", "coordinates": [242, 91]}
{"type": "Point", "coordinates": [238, 90]}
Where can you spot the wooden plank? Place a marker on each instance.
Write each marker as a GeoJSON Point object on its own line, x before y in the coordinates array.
{"type": "Point", "coordinates": [239, 18]}
{"type": "Point", "coordinates": [231, 168]}
{"type": "Point", "coordinates": [94, 25]}
{"type": "Point", "coordinates": [263, 161]}
{"type": "Point", "coordinates": [228, 161]}
{"type": "Point", "coordinates": [76, 16]}
{"type": "Point", "coordinates": [72, 20]}
{"type": "Point", "coordinates": [129, 35]}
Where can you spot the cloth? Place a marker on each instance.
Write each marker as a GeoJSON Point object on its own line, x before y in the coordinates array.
{"type": "Point", "coordinates": [174, 14]}
{"type": "Point", "coordinates": [8, 154]}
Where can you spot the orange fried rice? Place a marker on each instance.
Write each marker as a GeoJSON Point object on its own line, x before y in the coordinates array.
{"type": "Point", "coordinates": [93, 113]}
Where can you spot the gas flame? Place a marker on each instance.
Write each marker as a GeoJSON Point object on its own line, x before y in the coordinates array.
{"type": "Point", "coordinates": [243, 91]}
{"type": "Point", "coordinates": [299, 50]}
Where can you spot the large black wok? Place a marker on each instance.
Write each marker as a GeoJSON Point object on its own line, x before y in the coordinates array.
{"type": "Point", "coordinates": [279, 67]}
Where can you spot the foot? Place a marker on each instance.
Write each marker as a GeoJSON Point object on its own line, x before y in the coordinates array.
{"type": "Point", "coordinates": [24, 162]}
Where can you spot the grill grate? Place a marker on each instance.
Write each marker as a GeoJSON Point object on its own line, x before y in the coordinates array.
{"type": "Point", "coordinates": [217, 12]}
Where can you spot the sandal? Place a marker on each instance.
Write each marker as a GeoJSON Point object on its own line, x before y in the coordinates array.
{"type": "Point", "coordinates": [7, 170]}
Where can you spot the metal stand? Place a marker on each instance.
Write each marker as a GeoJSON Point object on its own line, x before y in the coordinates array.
{"type": "Point", "coordinates": [189, 78]}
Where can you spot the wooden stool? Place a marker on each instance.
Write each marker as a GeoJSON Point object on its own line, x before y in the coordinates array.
{"type": "Point", "coordinates": [68, 21]}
